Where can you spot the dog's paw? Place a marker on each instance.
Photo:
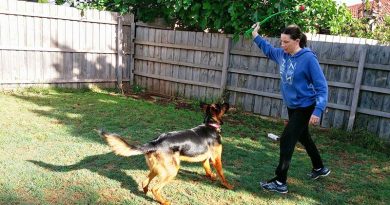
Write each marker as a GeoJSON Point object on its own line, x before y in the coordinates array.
{"type": "Point", "coordinates": [212, 176]}
{"type": "Point", "coordinates": [145, 190]}
{"type": "Point", "coordinates": [228, 186]}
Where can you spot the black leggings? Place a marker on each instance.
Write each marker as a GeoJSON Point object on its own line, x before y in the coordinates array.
{"type": "Point", "coordinates": [296, 130]}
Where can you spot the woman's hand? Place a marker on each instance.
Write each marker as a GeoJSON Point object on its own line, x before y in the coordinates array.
{"type": "Point", "coordinates": [256, 28]}
{"type": "Point", "coordinates": [314, 120]}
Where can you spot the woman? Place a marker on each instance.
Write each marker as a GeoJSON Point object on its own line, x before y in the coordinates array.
{"type": "Point", "coordinates": [305, 92]}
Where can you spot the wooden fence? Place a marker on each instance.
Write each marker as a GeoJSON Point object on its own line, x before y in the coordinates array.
{"type": "Point", "coordinates": [46, 44]}
{"type": "Point", "coordinates": [203, 65]}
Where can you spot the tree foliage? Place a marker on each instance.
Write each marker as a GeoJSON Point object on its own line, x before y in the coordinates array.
{"type": "Point", "coordinates": [382, 32]}
{"type": "Point", "coordinates": [235, 17]}
{"type": "Point", "coordinates": [361, 28]}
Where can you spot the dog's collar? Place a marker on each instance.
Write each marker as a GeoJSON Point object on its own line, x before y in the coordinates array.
{"type": "Point", "coordinates": [216, 126]}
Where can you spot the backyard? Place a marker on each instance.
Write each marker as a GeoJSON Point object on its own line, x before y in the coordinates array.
{"type": "Point", "coordinates": [50, 154]}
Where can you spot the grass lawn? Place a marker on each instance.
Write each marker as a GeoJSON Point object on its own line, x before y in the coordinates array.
{"type": "Point", "coordinates": [49, 154]}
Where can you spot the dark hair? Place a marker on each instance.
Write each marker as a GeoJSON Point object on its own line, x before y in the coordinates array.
{"type": "Point", "coordinates": [295, 33]}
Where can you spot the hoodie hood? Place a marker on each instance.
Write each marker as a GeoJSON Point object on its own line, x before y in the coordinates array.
{"type": "Point", "coordinates": [301, 52]}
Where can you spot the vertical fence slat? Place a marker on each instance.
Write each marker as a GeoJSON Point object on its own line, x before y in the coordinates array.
{"type": "Point", "coordinates": [54, 43]}
{"type": "Point", "coordinates": [151, 65]}
{"type": "Point", "coordinates": [268, 83]}
{"type": "Point", "coordinates": [233, 77]}
{"type": "Point", "coordinates": [357, 85]}
{"type": "Point", "coordinates": [260, 81]}
{"type": "Point", "coordinates": [225, 65]}
{"type": "Point", "coordinates": [158, 70]}
{"type": "Point", "coordinates": [240, 77]}
{"type": "Point", "coordinates": [274, 87]}
{"type": "Point", "coordinates": [132, 48]}
{"type": "Point", "coordinates": [249, 80]}
{"type": "Point", "coordinates": [213, 62]}
{"type": "Point", "coordinates": [384, 127]}
{"type": "Point", "coordinates": [182, 69]}
{"type": "Point", "coordinates": [175, 68]}
{"type": "Point", "coordinates": [197, 60]}
{"type": "Point", "coordinates": [163, 67]}
{"type": "Point", "coordinates": [214, 75]}
{"type": "Point", "coordinates": [377, 98]}
{"type": "Point", "coordinates": [76, 58]}
{"type": "Point", "coordinates": [204, 60]}
{"type": "Point", "coordinates": [119, 59]}
{"type": "Point", "coordinates": [109, 57]}
{"type": "Point", "coordinates": [337, 53]}
{"type": "Point", "coordinates": [169, 67]}
{"type": "Point", "coordinates": [189, 93]}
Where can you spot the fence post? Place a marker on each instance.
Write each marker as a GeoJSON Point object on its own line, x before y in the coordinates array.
{"type": "Point", "coordinates": [225, 65]}
{"type": "Point", "coordinates": [132, 48]}
{"type": "Point", "coordinates": [119, 50]}
{"type": "Point", "coordinates": [356, 90]}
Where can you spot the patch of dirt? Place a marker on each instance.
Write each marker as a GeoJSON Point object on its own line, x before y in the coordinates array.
{"type": "Point", "coordinates": [379, 171]}
{"type": "Point", "coordinates": [161, 99]}
{"type": "Point", "coordinates": [140, 96]}
{"type": "Point", "coordinates": [56, 122]}
{"type": "Point", "coordinates": [358, 199]}
{"type": "Point", "coordinates": [346, 160]}
{"type": "Point", "coordinates": [232, 121]}
{"type": "Point", "coordinates": [54, 196]}
{"type": "Point", "coordinates": [25, 196]}
{"type": "Point", "coordinates": [75, 106]}
{"type": "Point", "coordinates": [237, 163]}
{"type": "Point", "coordinates": [336, 187]}
{"type": "Point", "coordinates": [108, 195]}
{"type": "Point", "coordinates": [183, 105]}
{"type": "Point", "coordinates": [253, 138]}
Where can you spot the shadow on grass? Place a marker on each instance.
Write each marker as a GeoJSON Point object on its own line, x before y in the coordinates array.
{"type": "Point", "coordinates": [92, 111]}
{"type": "Point", "coordinates": [107, 165]}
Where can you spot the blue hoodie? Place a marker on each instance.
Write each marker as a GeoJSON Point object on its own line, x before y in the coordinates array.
{"type": "Point", "coordinates": [302, 81]}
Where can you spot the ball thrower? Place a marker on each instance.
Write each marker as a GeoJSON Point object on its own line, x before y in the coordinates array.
{"type": "Point", "coordinates": [249, 31]}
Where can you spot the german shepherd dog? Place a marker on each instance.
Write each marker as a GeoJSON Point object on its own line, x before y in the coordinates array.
{"type": "Point", "coordinates": [163, 154]}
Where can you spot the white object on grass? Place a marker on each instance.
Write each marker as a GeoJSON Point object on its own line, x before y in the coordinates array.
{"type": "Point", "coordinates": [273, 136]}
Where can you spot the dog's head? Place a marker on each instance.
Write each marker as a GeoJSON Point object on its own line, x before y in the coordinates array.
{"type": "Point", "coordinates": [214, 112]}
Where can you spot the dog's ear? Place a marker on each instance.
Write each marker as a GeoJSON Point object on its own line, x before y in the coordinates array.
{"type": "Point", "coordinates": [204, 106]}
{"type": "Point", "coordinates": [225, 107]}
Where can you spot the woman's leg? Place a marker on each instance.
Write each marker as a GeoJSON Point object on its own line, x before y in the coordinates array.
{"type": "Point", "coordinates": [297, 125]}
{"type": "Point", "coordinates": [311, 149]}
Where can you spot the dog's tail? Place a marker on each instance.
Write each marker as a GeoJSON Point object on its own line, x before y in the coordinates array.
{"type": "Point", "coordinates": [118, 145]}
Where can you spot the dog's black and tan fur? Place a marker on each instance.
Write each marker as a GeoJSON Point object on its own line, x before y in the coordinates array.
{"type": "Point", "coordinates": [163, 154]}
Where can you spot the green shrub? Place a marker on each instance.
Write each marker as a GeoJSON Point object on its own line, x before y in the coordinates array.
{"type": "Point", "coordinates": [360, 28]}
{"type": "Point", "coordinates": [382, 32]}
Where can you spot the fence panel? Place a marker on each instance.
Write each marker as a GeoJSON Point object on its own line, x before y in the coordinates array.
{"type": "Point", "coordinates": [179, 62]}
{"type": "Point", "coordinates": [56, 45]}
{"type": "Point", "coordinates": [374, 112]}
